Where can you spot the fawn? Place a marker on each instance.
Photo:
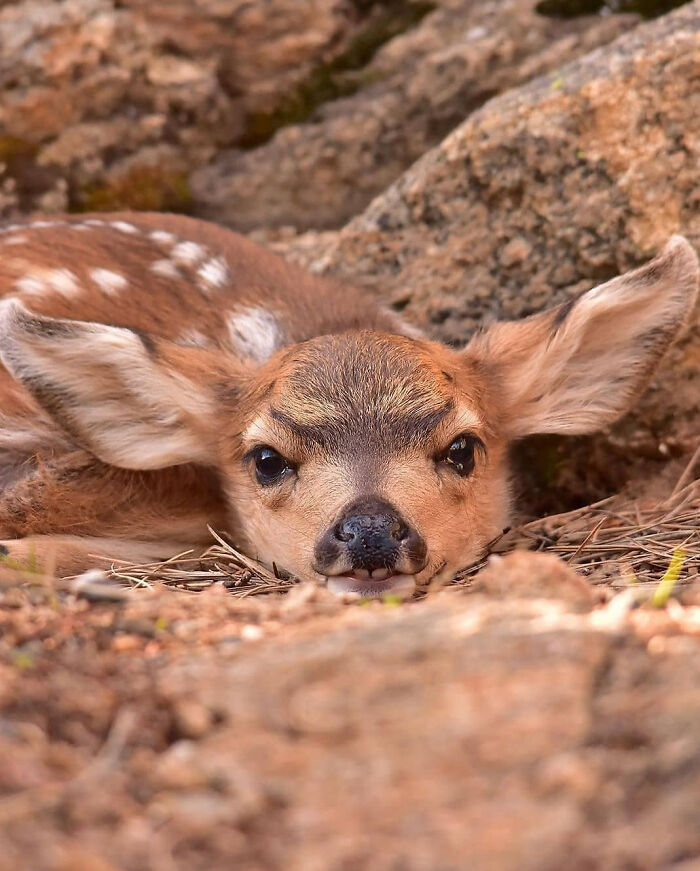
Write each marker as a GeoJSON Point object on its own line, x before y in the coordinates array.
{"type": "Point", "coordinates": [162, 373]}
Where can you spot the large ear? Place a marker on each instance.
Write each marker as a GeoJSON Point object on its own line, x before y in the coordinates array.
{"type": "Point", "coordinates": [574, 368]}
{"type": "Point", "coordinates": [131, 402]}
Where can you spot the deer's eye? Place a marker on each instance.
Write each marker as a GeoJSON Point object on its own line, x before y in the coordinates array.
{"type": "Point", "coordinates": [270, 465]}
{"type": "Point", "coordinates": [459, 456]}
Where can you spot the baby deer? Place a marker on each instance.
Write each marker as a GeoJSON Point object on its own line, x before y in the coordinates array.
{"type": "Point", "coordinates": [161, 374]}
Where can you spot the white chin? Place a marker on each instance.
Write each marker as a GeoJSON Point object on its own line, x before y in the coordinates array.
{"type": "Point", "coordinates": [395, 585]}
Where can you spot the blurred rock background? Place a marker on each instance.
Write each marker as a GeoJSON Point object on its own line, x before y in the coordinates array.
{"type": "Point", "coordinates": [261, 114]}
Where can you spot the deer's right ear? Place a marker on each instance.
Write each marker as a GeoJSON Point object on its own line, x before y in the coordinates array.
{"type": "Point", "coordinates": [131, 401]}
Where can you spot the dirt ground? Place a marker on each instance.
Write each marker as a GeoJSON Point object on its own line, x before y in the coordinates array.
{"type": "Point", "coordinates": [529, 721]}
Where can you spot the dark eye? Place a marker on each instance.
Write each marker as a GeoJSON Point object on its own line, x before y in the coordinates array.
{"type": "Point", "coordinates": [460, 454]}
{"type": "Point", "coordinates": [270, 466]}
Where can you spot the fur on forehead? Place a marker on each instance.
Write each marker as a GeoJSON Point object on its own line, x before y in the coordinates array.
{"type": "Point", "coordinates": [375, 387]}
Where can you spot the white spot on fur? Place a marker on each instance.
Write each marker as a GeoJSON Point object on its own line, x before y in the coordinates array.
{"type": "Point", "coordinates": [109, 282]}
{"type": "Point", "coordinates": [124, 227]}
{"type": "Point", "coordinates": [15, 240]}
{"type": "Point", "coordinates": [63, 281]}
{"type": "Point", "coordinates": [95, 222]}
{"type": "Point", "coordinates": [166, 269]}
{"type": "Point", "coordinates": [193, 339]}
{"type": "Point", "coordinates": [188, 253]}
{"type": "Point", "coordinates": [162, 237]}
{"type": "Point", "coordinates": [31, 285]}
{"type": "Point", "coordinates": [255, 333]}
{"type": "Point", "coordinates": [214, 273]}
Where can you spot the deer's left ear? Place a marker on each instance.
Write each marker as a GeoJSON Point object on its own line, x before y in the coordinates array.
{"type": "Point", "coordinates": [133, 402]}
{"type": "Point", "coordinates": [580, 366]}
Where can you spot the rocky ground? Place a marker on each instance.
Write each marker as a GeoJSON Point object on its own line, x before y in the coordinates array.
{"type": "Point", "coordinates": [529, 719]}
{"type": "Point", "coordinates": [198, 731]}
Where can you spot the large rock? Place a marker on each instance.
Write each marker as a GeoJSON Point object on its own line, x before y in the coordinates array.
{"type": "Point", "coordinates": [539, 194]}
{"type": "Point", "coordinates": [415, 90]}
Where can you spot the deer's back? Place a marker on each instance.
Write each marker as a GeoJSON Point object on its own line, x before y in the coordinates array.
{"type": "Point", "coordinates": [174, 277]}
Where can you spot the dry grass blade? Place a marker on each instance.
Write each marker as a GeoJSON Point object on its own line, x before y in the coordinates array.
{"type": "Point", "coordinates": [221, 563]}
{"type": "Point", "coordinates": [613, 540]}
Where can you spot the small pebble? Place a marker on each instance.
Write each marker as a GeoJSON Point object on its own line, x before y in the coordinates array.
{"type": "Point", "coordinates": [123, 643]}
{"type": "Point", "coordinates": [191, 720]}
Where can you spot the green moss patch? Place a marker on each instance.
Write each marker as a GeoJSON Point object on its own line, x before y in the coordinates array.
{"type": "Point", "coordinates": [143, 189]}
{"type": "Point", "coordinates": [13, 149]}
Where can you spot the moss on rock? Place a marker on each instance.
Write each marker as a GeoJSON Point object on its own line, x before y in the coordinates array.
{"type": "Point", "coordinates": [334, 79]}
{"type": "Point", "coordinates": [143, 188]}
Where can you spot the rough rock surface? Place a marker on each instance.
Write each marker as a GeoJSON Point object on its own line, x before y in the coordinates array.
{"type": "Point", "coordinates": [110, 103]}
{"type": "Point", "coordinates": [542, 193]}
{"type": "Point", "coordinates": [415, 90]}
{"type": "Point", "coordinates": [203, 732]}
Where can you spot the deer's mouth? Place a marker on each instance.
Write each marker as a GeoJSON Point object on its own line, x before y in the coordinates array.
{"type": "Point", "coordinates": [380, 583]}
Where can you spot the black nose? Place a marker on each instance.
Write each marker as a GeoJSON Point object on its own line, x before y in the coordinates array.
{"type": "Point", "coordinates": [375, 534]}
{"type": "Point", "coordinates": [370, 526]}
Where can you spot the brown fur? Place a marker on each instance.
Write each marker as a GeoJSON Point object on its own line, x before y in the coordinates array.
{"type": "Point", "coordinates": [123, 433]}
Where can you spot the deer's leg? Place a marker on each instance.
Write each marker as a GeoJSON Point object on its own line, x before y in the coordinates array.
{"type": "Point", "coordinates": [65, 509]}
